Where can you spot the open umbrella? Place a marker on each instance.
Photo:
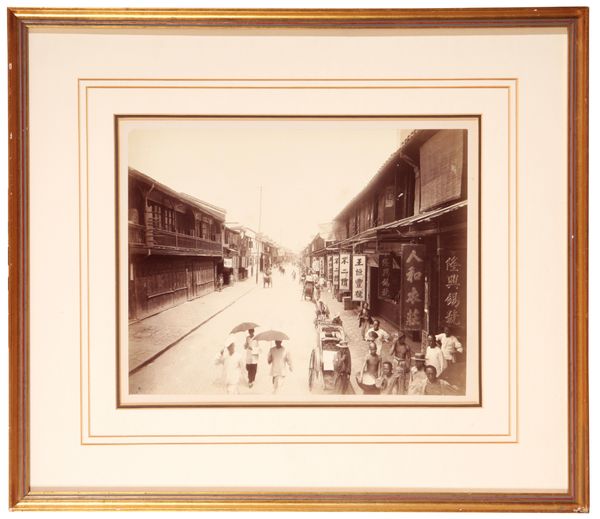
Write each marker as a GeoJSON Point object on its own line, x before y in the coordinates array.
{"type": "Point", "coordinates": [272, 335]}
{"type": "Point", "coordinates": [242, 327]}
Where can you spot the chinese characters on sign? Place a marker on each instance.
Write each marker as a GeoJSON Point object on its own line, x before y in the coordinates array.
{"type": "Point", "coordinates": [389, 278]}
{"type": "Point", "coordinates": [385, 276]}
{"type": "Point", "coordinates": [452, 288]}
{"type": "Point", "coordinates": [315, 264]}
{"type": "Point", "coordinates": [359, 277]}
{"type": "Point", "coordinates": [336, 271]}
{"type": "Point", "coordinates": [322, 266]}
{"type": "Point", "coordinates": [344, 272]}
{"type": "Point", "coordinates": [413, 286]}
{"type": "Point", "coordinates": [330, 268]}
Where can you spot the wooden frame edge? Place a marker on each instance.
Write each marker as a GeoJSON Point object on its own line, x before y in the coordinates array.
{"type": "Point", "coordinates": [17, 262]}
{"type": "Point", "coordinates": [576, 19]}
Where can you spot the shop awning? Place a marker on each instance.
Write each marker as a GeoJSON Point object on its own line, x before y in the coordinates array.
{"type": "Point", "coordinates": [372, 233]}
{"type": "Point", "coordinates": [424, 217]}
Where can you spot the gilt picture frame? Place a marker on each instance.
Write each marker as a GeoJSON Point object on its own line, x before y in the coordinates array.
{"type": "Point", "coordinates": [92, 418]}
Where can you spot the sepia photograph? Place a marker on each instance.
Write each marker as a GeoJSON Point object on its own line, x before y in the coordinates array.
{"type": "Point", "coordinates": [299, 261]}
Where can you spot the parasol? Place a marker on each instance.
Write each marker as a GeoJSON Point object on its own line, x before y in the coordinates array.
{"type": "Point", "coordinates": [272, 335]}
{"type": "Point", "coordinates": [243, 327]}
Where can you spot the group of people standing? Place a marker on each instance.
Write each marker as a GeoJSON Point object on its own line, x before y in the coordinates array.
{"type": "Point", "coordinates": [391, 367]}
{"type": "Point", "coordinates": [239, 366]}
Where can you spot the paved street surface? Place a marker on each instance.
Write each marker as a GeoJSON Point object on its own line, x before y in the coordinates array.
{"type": "Point", "coordinates": [152, 335]}
{"type": "Point", "coordinates": [189, 366]}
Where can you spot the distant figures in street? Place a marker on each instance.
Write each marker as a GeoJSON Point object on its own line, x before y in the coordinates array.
{"type": "Point", "coordinates": [280, 361]}
{"type": "Point", "coordinates": [268, 278]}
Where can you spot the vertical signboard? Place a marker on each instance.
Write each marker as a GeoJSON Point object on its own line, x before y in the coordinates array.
{"type": "Point", "coordinates": [315, 264]}
{"type": "Point", "coordinates": [413, 286]}
{"type": "Point", "coordinates": [322, 266]}
{"type": "Point", "coordinates": [330, 268]}
{"type": "Point", "coordinates": [359, 277]}
{"type": "Point", "coordinates": [336, 271]}
{"type": "Point", "coordinates": [344, 272]}
{"type": "Point", "coordinates": [452, 289]}
{"type": "Point", "coordinates": [389, 278]}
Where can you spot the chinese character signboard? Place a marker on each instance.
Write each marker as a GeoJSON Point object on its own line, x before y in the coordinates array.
{"type": "Point", "coordinates": [344, 272]}
{"type": "Point", "coordinates": [315, 264]}
{"type": "Point", "coordinates": [336, 271]}
{"type": "Point", "coordinates": [322, 266]}
{"type": "Point", "coordinates": [330, 268]}
{"type": "Point", "coordinates": [452, 289]}
{"type": "Point", "coordinates": [413, 286]}
{"type": "Point", "coordinates": [359, 277]}
{"type": "Point", "coordinates": [385, 276]}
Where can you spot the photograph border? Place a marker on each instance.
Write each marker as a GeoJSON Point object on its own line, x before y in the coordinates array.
{"type": "Point", "coordinates": [574, 19]}
{"type": "Point", "coordinates": [341, 403]}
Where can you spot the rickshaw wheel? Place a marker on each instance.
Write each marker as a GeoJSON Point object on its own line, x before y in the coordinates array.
{"type": "Point", "coordinates": [311, 372]}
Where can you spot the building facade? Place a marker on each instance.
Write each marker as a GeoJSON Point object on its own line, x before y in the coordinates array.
{"type": "Point", "coordinates": [175, 246]}
{"type": "Point", "coordinates": [403, 238]}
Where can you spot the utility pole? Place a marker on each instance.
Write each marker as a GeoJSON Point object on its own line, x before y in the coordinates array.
{"type": "Point", "coordinates": [258, 236]}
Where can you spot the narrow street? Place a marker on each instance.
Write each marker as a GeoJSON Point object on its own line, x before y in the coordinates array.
{"type": "Point", "coordinates": [189, 367]}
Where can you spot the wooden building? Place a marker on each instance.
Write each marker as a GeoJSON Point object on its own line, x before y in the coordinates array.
{"type": "Point", "coordinates": [409, 225]}
{"type": "Point", "coordinates": [230, 268]}
{"type": "Point", "coordinates": [246, 250]}
{"type": "Point", "coordinates": [318, 250]}
{"type": "Point", "coordinates": [175, 246]}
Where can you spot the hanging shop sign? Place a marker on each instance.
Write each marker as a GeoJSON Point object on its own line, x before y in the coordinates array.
{"type": "Point", "coordinates": [336, 270]}
{"type": "Point", "coordinates": [330, 268]}
{"type": "Point", "coordinates": [359, 277]}
{"type": "Point", "coordinates": [389, 278]}
{"type": "Point", "coordinates": [316, 264]}
{"type": "Point", "coordinates": [413, 286]}
{"type": "Point", "coordinates": [345, 259]}
{"type": "Point", "coordinates": [322, 266]}
{"type": "Point", "coordinates": [453, 268]}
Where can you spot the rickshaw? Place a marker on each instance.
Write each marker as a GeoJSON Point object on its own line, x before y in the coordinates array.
{"type": "Point", "coordinates": [308, 289]}
{"type": "Point", "coordinates": [321, 374]}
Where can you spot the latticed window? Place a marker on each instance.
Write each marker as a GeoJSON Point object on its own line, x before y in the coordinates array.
{"type": "Point", "coordinates": [156, 216]}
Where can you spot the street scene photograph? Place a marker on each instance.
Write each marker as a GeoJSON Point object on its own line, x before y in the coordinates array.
{"type": "Point", "coordinates": [300, 261]}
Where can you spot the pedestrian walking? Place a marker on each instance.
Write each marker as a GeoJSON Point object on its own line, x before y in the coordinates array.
{"type": "Point", "coordinates": [342, 367]}
{"type": "Point", "coordinates": [233, 366]}
{"type": "Point", "coordinates": [364, 319]}
{"type": "Point", "coordinates": [252, 354]}
{"type": "Point", "coordinates": [280, 361]}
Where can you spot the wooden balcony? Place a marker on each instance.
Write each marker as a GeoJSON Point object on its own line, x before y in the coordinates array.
{"type": "Point", "coordinates": [170, 242]}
